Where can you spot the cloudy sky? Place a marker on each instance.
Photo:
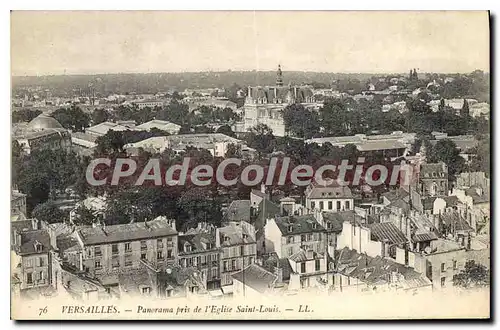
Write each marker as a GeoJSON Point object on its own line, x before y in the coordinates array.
{"type": "Point", "coordinates": [372, 42]}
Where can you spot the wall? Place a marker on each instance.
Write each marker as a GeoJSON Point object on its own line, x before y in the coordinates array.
{"type": "Point", "coordinates": [133, 257]}
{"type": "Point", "coordinates": [35, 264]}
{"type": "Point", "coordinates": [334, 201]}
{"type": "Point", "coordinates": [359, 239]}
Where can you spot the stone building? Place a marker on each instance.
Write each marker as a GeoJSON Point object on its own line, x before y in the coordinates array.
{"type": "Point", "coordinates": [264, 104]}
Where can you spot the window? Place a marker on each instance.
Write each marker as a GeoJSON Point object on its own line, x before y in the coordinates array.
{"type": "Point", "coordinates": [330, 205]}
{"type": "Point", "coordinates": [114, 249]}
{"type": "Point", "coordinates": [289, 239]}
{"type": "Point", "coordinates": [347, 205]}
{"type": "Point", "coordinates": [454, 264]}
{"type": "Point", "coordinates": [159, 255]}
{"type": "Point", "coordinates": [29, 278]}
{"type": "Point", "coordinates": [28, 263]}
{"type": "Point", "coordinates": [309, 237]}
{"type": "Point", "coordinates": [198, 261]}
{"type": "Point", "coordinates": [302, 238]}
{"type": "Point", "coordinates": [40, 276]}
{"type": "Point", "coordinates": [40, 262]}
{"type": "Point", "coordinates": [116, 263]}
{"type": "Point", "coordinates": [303, 267]}
{"type": "Point", "coordinates": [242, 250]}
{"type": "Point", "coordinates": [98, 264]}
{"type": "Point", "coordinates": [144, 245]}
{"type": "Point", "coordinates": [290, 251]}
{"type": "Point", "coordinates": [97, 251]}
{"type": "Point", "coordinates": [169, 293]}
{"type": "Point", "coordinates": [225, 266]}
{"type": "Point", "coordinates": [169, 254]}
{"type": "Point", "coordinates": [317, 265]}
{"type": "Point", "coordinates": [128, 247]}
{"type": "Point", "coordinates": [313, 205]}
{"type": "Point", "coordinates": [143, 256]}
{"type": "Point", "coordinates": [159, 243]}
{"type": "Point", "coordinates": [233, 264]}
{"type": "Point", "coordinates": [321, 205]}
{"type": "Point", "coordinates": [443, 267]}
{"type": "Point", "coordinates": [251, 260]}
{"type": "Point", "coordinates": [443, 282]}
{"type": "Point", "coordinates": [128, 261]}
{"type": "Point", "coordinates": [338, 205]}
{"type": "Point", "coordinates": [146, 290]}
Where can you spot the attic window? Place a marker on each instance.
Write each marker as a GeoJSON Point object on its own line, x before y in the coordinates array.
{"type": "Point", "coordinates": [245, 236]}
{"type": "Point", "coordinates": [38, 246]}
{"type": "Point", "coordinates": [290, 229]}
{"type": "Point", "coordinates": [187, 247]}
{"type": "Point", "coordinates": [329, 225]}
{"type": "Point", "coordinates": [209, 246]}
{"type": "Point", "coordinates": [226, 239]}
{"type": "Point", "coordinates": [314, 225]}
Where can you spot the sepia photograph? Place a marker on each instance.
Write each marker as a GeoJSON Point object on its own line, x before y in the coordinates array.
{"type": "Point", "coordinates": [250, 165]}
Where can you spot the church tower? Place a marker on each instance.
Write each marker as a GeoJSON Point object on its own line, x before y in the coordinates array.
{"type": "Point", "coordinates": [279, 76]}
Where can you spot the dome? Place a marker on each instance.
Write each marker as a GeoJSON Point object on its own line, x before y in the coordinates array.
{"type": "Point", "coordinates": [43, 122]}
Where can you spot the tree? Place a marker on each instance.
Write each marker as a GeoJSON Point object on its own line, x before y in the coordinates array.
{"type": "Point", "coordinates": [113, 141]}
{"type": "Point", "coordinates": [49, 212]}
{"type": "Point", "coordinates": [464, 112]}
{"type": "Point", "coordinates": [301, 122]}
{"type": "Point", "coordinates": [446, 151]}
{"type": "Point", "coordinates": [473, 276]}
{"type": "Point", "coordinates": [333, 116]}
{"type": "Point", "coordinates": [73, 118]}
{"type": "Point", "coordinates": [24, 115]}
{"type": "Point", "coordinates": [100, 116]}
{"type": "Point", "coordinates": [84, 216]}
{"type": "Point", "coordinates": [226, 129]}
{"type": "Point", "coordinates": [261, 138]}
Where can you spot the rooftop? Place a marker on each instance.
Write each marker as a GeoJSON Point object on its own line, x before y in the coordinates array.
{"type": "Point", "coordinates": [300, 224]}
{"type": "Point", "coordinates": [238, 210]}
{"type": "Point", "coordinates": [256, 278]}
{"type": "Point", "coordinates": [34, 241]}
{"type": "Point", "coordinates": [158, 227]}
{"type": "Point", "coordinates": [387, 232]}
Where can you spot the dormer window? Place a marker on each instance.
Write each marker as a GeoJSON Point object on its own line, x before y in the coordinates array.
{"type": "Point", "coordinates": [209, 246]}
{"type": "Point", "coordinates": [290, 228]}
{"type": "Point", "coordinates": [245, 236]}
{"type": "Point", "coordinates": [187, 247]}
{"type": "Point", "coordinates": [314, 225]}
{"type": "Point", "coordinates": [38, 246]}
{"type": "Point", "coordinates": [226, 239]}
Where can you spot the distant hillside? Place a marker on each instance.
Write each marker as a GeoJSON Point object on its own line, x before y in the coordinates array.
{"type": "Point", "coordinates": [105, 84]}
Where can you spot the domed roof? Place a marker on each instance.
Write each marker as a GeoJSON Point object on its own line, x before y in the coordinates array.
{"type": "Point", "coordinates": [43, 122]}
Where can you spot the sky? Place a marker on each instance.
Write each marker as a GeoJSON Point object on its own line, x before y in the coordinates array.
{"type": "Point", "coordinates": [90, 42]}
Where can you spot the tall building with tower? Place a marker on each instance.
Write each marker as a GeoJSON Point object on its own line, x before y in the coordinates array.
{"type": "Point", "coordinates": [264, 104]}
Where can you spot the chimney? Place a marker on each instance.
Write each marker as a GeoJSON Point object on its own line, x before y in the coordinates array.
{"type": "Point", "coordinates": [81, 261]}
{"type": "Point", "coordinates": [278, 271]}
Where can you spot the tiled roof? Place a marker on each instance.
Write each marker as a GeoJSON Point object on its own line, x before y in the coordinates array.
{"type": "Point", "coordinates": [380, 145]}
{"type": "Point", "coordinates": [300, 224]}
{"type": "Point", "coordinates": [199, 242]}
{"type": "Point", "coordinates": [159, 227]}
{"type": "Point", "coordinates": [456, 221]}
{"type": "Point", "coordinates": [34, 237]}
{"type": "Point", "coordinates": [328, 192]}
{"type": "Point", "coordinates": [387, 231]}
{"type": "Point", "coordinates": [238, 210]}
{"type": "Point", "coordinates": [302, 255]}
{"type": "Point", "coordinates": [256, 278]}
{"type": "Point", "coordinates": [234, 234]}
{"type": "Point", "coordinates": [336, 219]}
